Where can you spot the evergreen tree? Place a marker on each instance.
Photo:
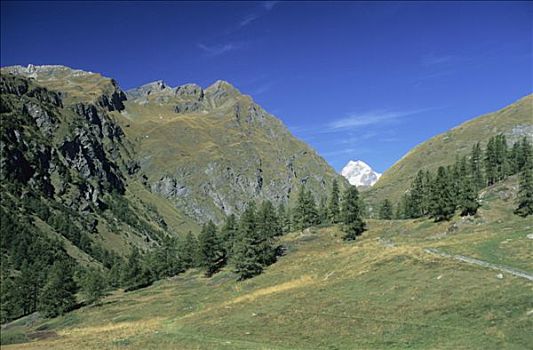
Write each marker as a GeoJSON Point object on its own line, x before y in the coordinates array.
{"type": "Point", "coordinates": [526, 154]}
{"type": "Point", "coordinates": [93, 285]}
{"type": "Point", "coordinates": [490, 162]}
{"type": "Point", "coordinates": [353, 224]}
{"type": "Point", "coordinates": [27, 285]}
{"type": "Point", "coordinates": [416, 196]}
{"type": "Point", "coordinates": [228, 233]}
{"type": "Point", "coordinates": [467, 201]}
{"type": "Point", "coordinates": [442, 201]}
{"type": "Point", "coordinates": [284, 218]}
{"type": "Point", "coordinates": [267, 228]}
{"type": "Point", "coordinates": [212, 254]}
{"type": "Point", "coordinates": [164, 261]}
{"type": "Point", "coordinates": [334, 204]}
{"type": "Point", "coordinates": [525, 191]}
{"type": "Point", "coordinates": [247, 250]}
{"type": "Point", "coordinates": [476, 167]}
{"type": "Point", "coordinates": [188, 251]}
{"type": "Point", "coordinates": [305, 212]}
{"type": "Point", "coordinates": [58, 294]}
{"type": "Point", "coordinates": [323, 211]}
{"type": "Point", "coordinates": [385, 210]}
{"type": "Point", "coordinates": [136, 274]}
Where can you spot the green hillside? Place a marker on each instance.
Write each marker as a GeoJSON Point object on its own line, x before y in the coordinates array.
{"type": "Point", "coordinates": [390, 288]}
{"type": "Point", "coordinates": [514, 121]}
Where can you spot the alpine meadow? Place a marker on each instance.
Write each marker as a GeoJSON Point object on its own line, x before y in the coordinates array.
{"type": "Point", "coordinates": [226, 203]}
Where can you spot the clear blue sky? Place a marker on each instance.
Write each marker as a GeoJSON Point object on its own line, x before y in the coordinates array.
{"type": "Point", "coordinates": [356, 80]}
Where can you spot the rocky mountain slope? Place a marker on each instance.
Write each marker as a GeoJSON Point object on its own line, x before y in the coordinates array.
{"type": "Point", "coordinates": [514, 121]}
{"type": "Point", "coordinates": [128, 169]}
{"type": "Point", "coordinates": [209, 151]}
{"type": "Point", "coordinates": [360, 174]}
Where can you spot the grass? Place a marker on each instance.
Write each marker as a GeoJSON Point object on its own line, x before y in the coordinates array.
{"type": "Point", "coordinates": [329, 294]}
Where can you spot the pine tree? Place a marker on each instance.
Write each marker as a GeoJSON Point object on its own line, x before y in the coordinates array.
{"type": "Point", "coordinates": [416, 196]}
{"type": "Point", "coordinates": [385, 210]}
{"type": "Point", "coordinates": [334, 203]}
{"type": "Point", "coordinates": [267, 229]}
{"type": "Point", "coordinates": [491, 162]}
{"type": "Point", "coordinates": [323, 211]}
{"type": "Point", "coordinates": [284, 218]}
{"type": "Point", "coordinates": [136, 274]}
{"type": "Point", "coordinates": [228, 233]}
{"type": "Point", "coordinates": [58, 294]}
{"type": "Point", "coordinates": [525, 191]}
{"type": "Point", "coordinates": [353, 224]}
{"type": "Point", "coordinates": [476, 167]}
{"type": "Point", "coordinates": [93, 285]}
{"type": "Point", "coordinates": [442, 201]}
{"type": "Point", "coordinates": [305, 212]}
{"type": "Point", "coordinates": [247, 252]}
{"type": "Point", "coordinates": [467, 202]}
{"type": "Point", "coordinates": [188, 251]}
{"type": "Point", "coordinates": [27, 288]}
{"type": "Point", "coordinates": [212, 254]}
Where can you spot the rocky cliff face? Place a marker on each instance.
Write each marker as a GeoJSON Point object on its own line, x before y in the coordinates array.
{"type": "Point", "coordinates": [68, 158]}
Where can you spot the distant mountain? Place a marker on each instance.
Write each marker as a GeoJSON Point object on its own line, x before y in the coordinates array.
{"type": "Point", "coordinates": [360, 174]}
{"type": "Point", "coordinates": [514, 121]}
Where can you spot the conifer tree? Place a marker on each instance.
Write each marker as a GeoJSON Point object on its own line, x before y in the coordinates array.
{"type": "Point", "coordinates": [525, 191]}
{"type": "Point", "coordinates": [385, 210]}
{"type": "Point", "coordinates": [323, 211]}
{"type": "Point", "coordinates": [284, 218]}
{"type": "Point", "coordinates": [212, 254]}
{"type": "Point", "coordinates": [353, 224]}
{"type": "Point", "coordinates": [228, 233]}
{"type": "Point", "coordinates": [305, 212]}
{"type": "Point", "coordinates": [334, 203]}
{"type": "Point", "coordinates": [416, 196]}
{"type": "Point", "coordinates": [467, 202]}
{"type": "Point", "coordinates": [188, 251]}
{"type": "Point", "coordinates": [476, 167]}
{"type": "Point", "coordinates": [267, 229]}
{"type": "Point", "coordinates": [58, 294]}
{"type": "Point", "coordinates": [442, 201]}
{"type": "Point", "coordinates": [247, 250]}
{"type": "Point", "coordinates": [92, 285]}
{"type": "Point", "coordinates": [490, 162]}
{"type": "Point", "coordinates": [27, 286]}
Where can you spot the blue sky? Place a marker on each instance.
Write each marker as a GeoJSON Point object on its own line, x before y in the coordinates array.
{"type": "Point", "coordinates": [355, 80]}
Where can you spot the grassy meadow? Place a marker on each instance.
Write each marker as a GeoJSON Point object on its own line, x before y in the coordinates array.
{"type": "Point", "coordinates": [381, 291]}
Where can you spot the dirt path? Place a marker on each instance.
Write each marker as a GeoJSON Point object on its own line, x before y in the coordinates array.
{"type": "Point", "coordinates": [466, 259]}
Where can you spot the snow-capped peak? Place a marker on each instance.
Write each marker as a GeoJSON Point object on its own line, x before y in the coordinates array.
{"type": "Point", "coordinates": [359, 173]}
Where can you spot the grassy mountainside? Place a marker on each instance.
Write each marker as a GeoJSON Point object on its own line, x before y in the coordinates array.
{"type": "Point", "coordinates": [211, 151]}
{"type": "Point", "coordinates": [515, 121]}
{"type": "Point", "coordinates": [384, 290]}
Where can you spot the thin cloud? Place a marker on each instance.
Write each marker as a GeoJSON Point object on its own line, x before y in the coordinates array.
{"type": "Point", "coordinates": [434, 60]}
{"type": "Point", "coordinates": [266, 7]}
{"type": "Point", "coordinates": [216, 50]}
{"type": "Point", "coordinates": [358, 120]}
{"type": "Point", "coordinates": [269, 5]}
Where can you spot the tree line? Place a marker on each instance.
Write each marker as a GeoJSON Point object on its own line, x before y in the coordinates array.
{"type": "Point", "coordinates": [453, 188]}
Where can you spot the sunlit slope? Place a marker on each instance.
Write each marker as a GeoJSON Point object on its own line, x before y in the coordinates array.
{"type": "Point", "coordinates": [212, 160]}
{"type": "Point", "coordinates": [515, 121]}
{"type": "Point", "coordinates": [383, 291]}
